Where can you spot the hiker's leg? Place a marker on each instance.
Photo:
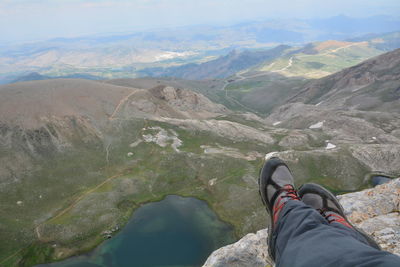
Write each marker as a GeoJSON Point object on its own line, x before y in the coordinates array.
{"type": "Point", "coordinates": [304, 238]}
{"type": "Point", "coordinates": [348, 231]}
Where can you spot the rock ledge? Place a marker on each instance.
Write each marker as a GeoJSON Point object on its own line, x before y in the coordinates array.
{"type": "Point", "coordinates": [375, 210]}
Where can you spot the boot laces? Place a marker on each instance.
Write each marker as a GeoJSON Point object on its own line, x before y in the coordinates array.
{"type": "Point", "coordinates": [333, 217]}
{"type": "Point", "coordinates": [290, 192]}
{"type": "Point", "coordinates": [327, 216]}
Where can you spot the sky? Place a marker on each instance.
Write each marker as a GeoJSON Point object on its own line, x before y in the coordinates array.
{"type": "Point", "coordinates": [23, 20]}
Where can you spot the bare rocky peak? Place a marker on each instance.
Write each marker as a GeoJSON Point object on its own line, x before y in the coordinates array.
{"type": "Point", "coordinates": [168, 102]}
{"type": "Point", "coordinates": [186, 100]}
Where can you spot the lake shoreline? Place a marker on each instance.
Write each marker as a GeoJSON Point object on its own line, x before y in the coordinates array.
{"type": "Point", "coordinates": [91, 249]}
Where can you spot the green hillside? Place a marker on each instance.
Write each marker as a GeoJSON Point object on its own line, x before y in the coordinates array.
{"type": "Point", "coordinates": [321, 59]}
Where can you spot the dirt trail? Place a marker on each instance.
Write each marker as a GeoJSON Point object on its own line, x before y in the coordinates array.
{"type": "Point", "coordinates": [121, 102]}
{"type": "Point", "coordinates": [343, 47]}
{"type": "Point", "coordinates": [76, 201]}
{"type": "Point", "coordinates": [290, 63]}
{"type": "Point", "coordinates": [12, 255]}
{"type": "Point", "coordinates": [83, 196]}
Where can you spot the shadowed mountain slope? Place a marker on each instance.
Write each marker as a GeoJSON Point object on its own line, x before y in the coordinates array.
{"type": "Point", "coordinates": [371, 85]}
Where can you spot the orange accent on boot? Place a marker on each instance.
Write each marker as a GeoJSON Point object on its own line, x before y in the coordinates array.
{"type": "Point", "coordinates": [277, 208]}
{"type": "Point", "coordinates": [337, 218]}
{"type": "Point", "coordinates": [291, 193]}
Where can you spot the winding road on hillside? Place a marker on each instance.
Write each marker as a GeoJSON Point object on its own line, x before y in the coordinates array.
{"type": "Point", "coordinates": [240, 78]}
{"type": "Point", "coordinates": [290, 63]}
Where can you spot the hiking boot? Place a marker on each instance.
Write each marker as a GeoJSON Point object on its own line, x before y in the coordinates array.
{"type": "Point", "coordinates": [329, 207]}
{"type": "Point", "coordinates": [276, 187]}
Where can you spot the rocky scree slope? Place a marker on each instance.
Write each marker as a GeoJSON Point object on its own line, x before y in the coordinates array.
{"type": "Point", "coordinates": [326, 108]}
{"type": "Point", "coordinates": [376, 211]}
{"type": "Point", "coordinates": [372, 85]}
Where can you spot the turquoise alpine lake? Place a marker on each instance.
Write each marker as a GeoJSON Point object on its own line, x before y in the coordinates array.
{"type": "Point", "coordinates": [175, 232]}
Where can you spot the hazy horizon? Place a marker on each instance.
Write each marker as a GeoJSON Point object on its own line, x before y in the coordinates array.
{"type": "Point", "coordinates": [28, 20]}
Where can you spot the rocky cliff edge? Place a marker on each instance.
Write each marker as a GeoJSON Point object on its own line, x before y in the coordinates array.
{"type": "Point", "coordinates": [375, 210]}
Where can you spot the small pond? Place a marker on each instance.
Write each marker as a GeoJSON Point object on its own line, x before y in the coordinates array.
{"type": "Point", "coordinates": [176, 231]}
{"type": "Point", "coordinates": [379, 179]}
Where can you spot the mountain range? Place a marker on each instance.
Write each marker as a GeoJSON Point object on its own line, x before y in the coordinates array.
{"type": "Point", "coordinates": [221, 67]}
{"type": "Point", "coordinates": [129, 55]}
{"type": "Point", "coordinates": [314, 60]}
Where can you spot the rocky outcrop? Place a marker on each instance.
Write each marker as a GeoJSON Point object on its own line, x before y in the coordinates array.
{"type": "Point", "coordinates": [232, 130]}
{"type": "Point", "coordinates": [384, 158]}
{"type": "Point", "coordinates": [186, 100]}
{"type": "Point", "coordinates": [168, 102]}
{"type": "Point", "coordinates": [376, 211]}
{"type": "Point", "coordinates": [251, 250]}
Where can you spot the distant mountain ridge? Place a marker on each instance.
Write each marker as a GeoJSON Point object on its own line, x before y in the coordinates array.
{"type": "Point", "coordinates": [34, 76]}
{"type": "Point", "coordinates": [122, 55]}
{"type": "Point", "coordinates": [386, 42]}
{"type": "Point", "coordinates": [221, 67]}
{"type": "Point", "coordinates": [314, 60]}
{"type": "Point", "coordinates": [319, 59]}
